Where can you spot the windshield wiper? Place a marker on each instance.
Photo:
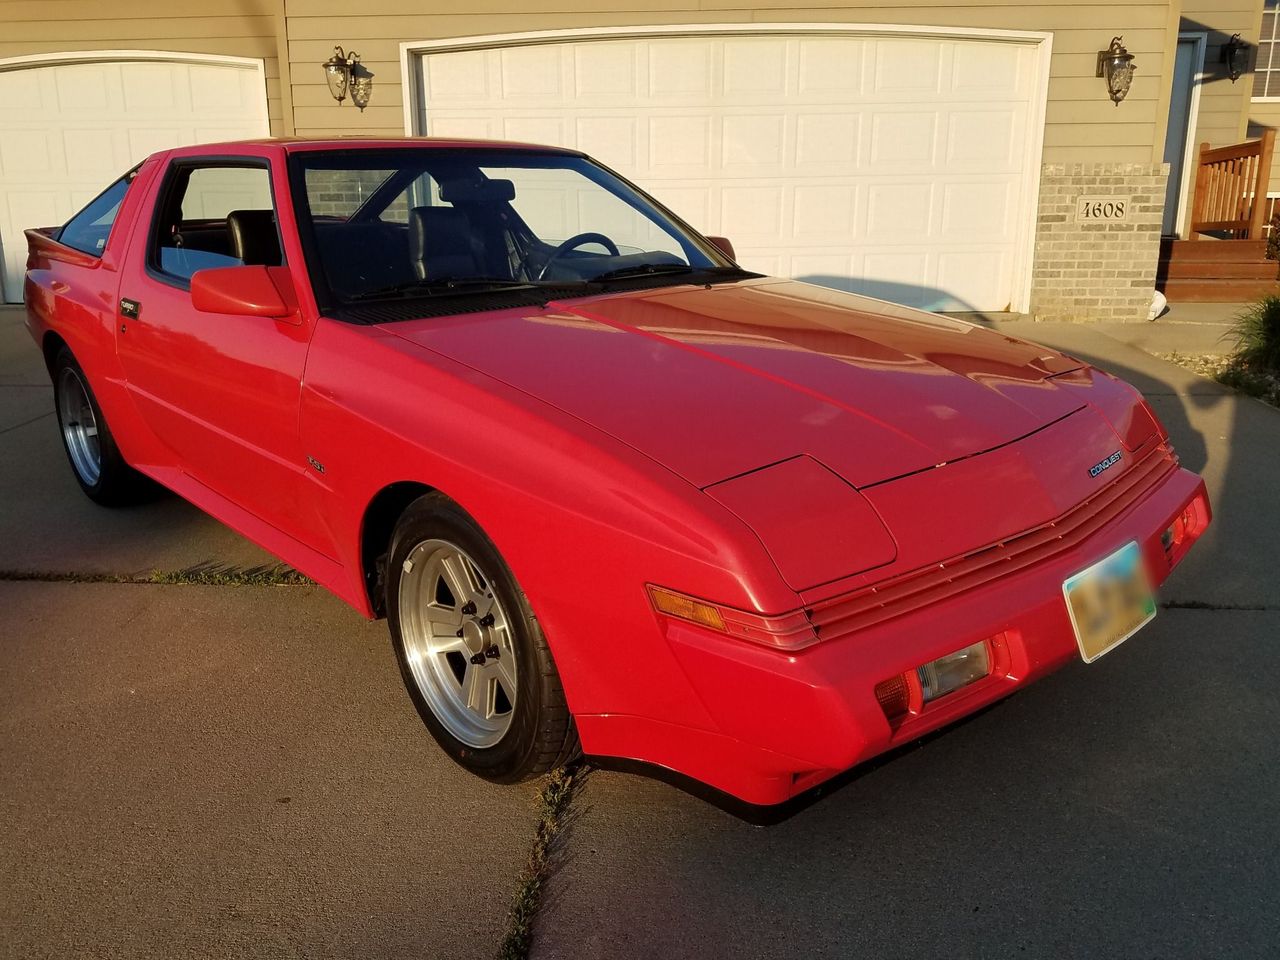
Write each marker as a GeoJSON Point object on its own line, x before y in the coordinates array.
{"type": "Point", "coordinates": [440, 286]}
{"type": "Point", "coordinates": [667, 269]}
{"type": "Point", "coordinates": [643, 270]}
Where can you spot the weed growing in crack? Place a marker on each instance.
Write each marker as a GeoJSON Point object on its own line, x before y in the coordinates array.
{"type": "Point", "coordinates": [556, 802]}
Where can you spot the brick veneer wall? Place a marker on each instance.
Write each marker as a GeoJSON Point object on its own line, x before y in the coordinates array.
{"type": "Point", "coordinates": [338, 193]}
{"type": "Point", "coordinates": [1102, 270]}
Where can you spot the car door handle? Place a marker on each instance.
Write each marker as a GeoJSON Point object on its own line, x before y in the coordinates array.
{"type": "Point", "coordinates": [130, 308]}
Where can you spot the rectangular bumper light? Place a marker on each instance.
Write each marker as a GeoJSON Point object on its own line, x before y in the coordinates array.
{"type": "Point", "coordinates": [907, 693]}
{"type": "Point", "coordinates": [955, 670]}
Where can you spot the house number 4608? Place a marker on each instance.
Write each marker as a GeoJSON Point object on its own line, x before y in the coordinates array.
{"type": "Point", "coordinates": [1101, 208]}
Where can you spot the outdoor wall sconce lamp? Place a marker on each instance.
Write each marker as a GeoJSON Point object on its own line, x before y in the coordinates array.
{"type": "Point", "coordinates": [1235, 54]}
{"type": "Point", "coordinates": [1116, 65]}
{"type": "Point", "coordinates": [346, 74]}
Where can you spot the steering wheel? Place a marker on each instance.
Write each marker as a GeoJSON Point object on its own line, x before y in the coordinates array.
{"type": "Point", "coordinates": [573, 243]}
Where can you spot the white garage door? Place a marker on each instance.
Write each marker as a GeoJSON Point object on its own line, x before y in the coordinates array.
{"type": "Point", "coordinates": [900, 167]}
{"type": "Point", "coordinates": [69, 129]}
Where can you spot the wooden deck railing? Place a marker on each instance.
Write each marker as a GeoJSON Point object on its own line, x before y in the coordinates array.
{"type": "Point", "coordinates": [1231, 188]}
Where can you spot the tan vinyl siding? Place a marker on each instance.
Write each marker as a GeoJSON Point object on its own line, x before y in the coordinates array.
{"type": "Point", "coordinates": [1081, 124]}
{"type": "Point", "coordinates": [244, 29]}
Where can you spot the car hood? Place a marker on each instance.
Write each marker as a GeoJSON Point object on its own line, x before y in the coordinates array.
{"type": "Point", "coordinates": [717, 381]}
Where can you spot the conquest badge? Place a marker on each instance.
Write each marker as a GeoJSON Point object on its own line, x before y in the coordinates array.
{"type": "Point", "coordinates": [1106, 464]}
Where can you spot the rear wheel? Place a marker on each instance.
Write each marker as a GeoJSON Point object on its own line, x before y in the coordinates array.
{"type": "Point", "coordinates": [91, 450]}
{"type": "Point", "coordinates": [471, 653]}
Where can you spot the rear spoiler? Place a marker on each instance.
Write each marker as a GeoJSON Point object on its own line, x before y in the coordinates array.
{"type": "Point", "coordinates": [41, 242]}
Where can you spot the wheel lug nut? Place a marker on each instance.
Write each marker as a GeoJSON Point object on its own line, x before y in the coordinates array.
{"type": "Point", "coordinates": [469, 609]}
{"type": "Point", "coordinates": [486, 620]}
{"type": "Point", "coordinates": [477, 659]}
{"type": "Point", "coordinates": [492, 652]}
{"type": "Point", "coordinates": [458, 634]}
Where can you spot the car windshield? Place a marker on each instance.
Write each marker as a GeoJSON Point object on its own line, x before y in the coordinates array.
{"type": "Point", "coordinates": [446, 221]}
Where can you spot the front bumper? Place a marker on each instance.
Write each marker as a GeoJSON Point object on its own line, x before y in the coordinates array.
{"type": "Point", "coordinates": [787, 722]}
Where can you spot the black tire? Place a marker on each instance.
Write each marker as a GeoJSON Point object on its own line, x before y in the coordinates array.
{"type": "Point", "coordinates": [116, 483]}
{"type": "Point", "coordinates": [541, 735]}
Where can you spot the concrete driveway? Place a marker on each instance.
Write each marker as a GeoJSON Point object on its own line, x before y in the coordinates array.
{"type": "Point", "coordinates": [235, 771]}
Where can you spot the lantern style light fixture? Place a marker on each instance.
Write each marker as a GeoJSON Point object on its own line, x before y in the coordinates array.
{"type": "Point", "coordinates": [1235, 55]}
{"type": "Point", "coordinates": [346, 74]}
{"type": "Point", "coordinates": [1116, 65]}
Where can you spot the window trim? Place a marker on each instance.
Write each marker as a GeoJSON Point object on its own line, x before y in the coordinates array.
{"type": "Point", "coordinates": [1273, 41]}
{"type": "Point", "coordinates": [165, 194]}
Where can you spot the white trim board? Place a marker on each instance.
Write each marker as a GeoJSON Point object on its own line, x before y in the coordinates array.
{"type": "Point", "coordinates": [1190, 148]}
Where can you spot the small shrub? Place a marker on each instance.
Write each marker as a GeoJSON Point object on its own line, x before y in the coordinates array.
{"type": "Point", "coordinates": [1273, 238]}
{"type": "Point", "coordinates": [1257, 334]}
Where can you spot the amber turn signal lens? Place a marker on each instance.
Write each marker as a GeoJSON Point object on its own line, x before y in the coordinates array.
{"type": "Point", "coordinates": [686, 608]}
{"type": "Point", "coordinates": [894, 696]}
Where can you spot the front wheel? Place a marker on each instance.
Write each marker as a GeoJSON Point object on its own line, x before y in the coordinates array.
{"type": "Point", "coordinates": [471, 653]}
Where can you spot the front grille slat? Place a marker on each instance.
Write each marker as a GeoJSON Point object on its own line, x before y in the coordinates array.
{"type": "Point", "coordinates": [922, 587]}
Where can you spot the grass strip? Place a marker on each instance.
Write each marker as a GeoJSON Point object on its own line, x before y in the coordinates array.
{"type": "Point", "coordinates": [554, 814]}
{"type": "Point", "coordinates": [203, 575]}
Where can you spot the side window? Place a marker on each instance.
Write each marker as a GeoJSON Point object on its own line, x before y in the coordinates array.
{"type": "Point", "coordinates": [218, 215]}
{"type": "Point", "coordinates": [88, 230]}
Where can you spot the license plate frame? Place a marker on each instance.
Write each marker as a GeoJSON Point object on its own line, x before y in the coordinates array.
{"type": "Point", "coordinates": [1126, 569]}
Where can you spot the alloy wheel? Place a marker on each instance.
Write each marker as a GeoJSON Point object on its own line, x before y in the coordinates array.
{"type": "Point", "coordinates": [458, 642]}
{"type": "Point", "coordinates": [79, 426]}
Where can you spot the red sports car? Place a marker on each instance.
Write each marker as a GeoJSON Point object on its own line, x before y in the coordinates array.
{"type": "Point", "coordinates": [613, 493]}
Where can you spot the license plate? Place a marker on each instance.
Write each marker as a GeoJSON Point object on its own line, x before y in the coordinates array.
{"type": "Point", "coordinates": [1110, 601]}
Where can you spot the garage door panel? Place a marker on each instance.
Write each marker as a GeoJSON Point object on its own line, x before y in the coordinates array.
{"type": "Point", "coordinates": [911, 67]}
{"type": "Point", "coordinates": [978, 211]}
{"type": "Point", "coordinates": [679, 71]}
{"type": "Point", "coordinates": [604, 70]}
{"type": "Point", "coordinates": [531, 72]}
{"type": "Point", "coordinates": [83, 124]}
{"type": "Point", "coordinates": [829, 69]}
{"type": "Point", "coordinates": [902, 141]}
{"type": "Point", "coordinates": [755, 67]}
{"type": "Point", "coordinates": [463, 77]}
{"type": "Point", "coordinates": [84, 89]}
{"type": "Point", "coordinates": [679, 146]}
{"type": "Point", "coordinates": [752, 213]}
{"type": "Point", "coordinates": [876, 152]}
{"type": "Point", "coordinates": [758, 143]}
{"type": "Point", "coordinates": [972, 277]}
{"type": "Point", "coordinates": [827, 143]}
{"type": "Point", "coordinates": [999, 70]}
{"type": "Point", "coordinates": [142, 92]}
{"type": "Point", "coordinates": [87, 152]}
{"type": "Point", "coordinates": [985, 140]}
{"type": "Point", "coordinates": [25, 152]}
{"type": "Point", "coordinates": [824, 212]}
{"type": "Point", "coordinates": [899, 210]}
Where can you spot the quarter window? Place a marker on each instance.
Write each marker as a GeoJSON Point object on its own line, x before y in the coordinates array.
{"type": "Point", "coordinates": [89, 229]}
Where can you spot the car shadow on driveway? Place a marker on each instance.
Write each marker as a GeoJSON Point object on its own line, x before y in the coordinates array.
{"type": "Point", "coordinates": [1117, 809]}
